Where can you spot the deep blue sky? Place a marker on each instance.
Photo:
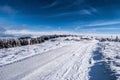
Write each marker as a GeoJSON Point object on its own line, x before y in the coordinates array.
{"type": "Point", "coordinates": [69, 15]}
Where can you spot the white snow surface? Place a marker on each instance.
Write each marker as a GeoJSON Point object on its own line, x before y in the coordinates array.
{"type": "Point", "coordinates": [10, 55]}
{"type": "Point", "coordinates": [111, 53]}
{"type": "Point", "coordinates": [58, 59]}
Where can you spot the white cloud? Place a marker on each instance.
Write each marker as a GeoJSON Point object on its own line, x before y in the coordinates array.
{"type": "Point", "coordinates": [2, 29]}
{"type": "Point", "coordinates": [94, 25]}
{"type": "Point", "coordinates": [103, 23]}
{"type": "Point", "coordinates": [108, 28]}
{"type": "Point", "coordinates": [85, 11]}
{"type": "Point", "coordinates": [8, 10]}
{"type": "Point", "coordinates": [77, 28]}
{"type": "Point", "coordinates": [89, 11]}
{"type": "Point", "coordinates": [20, 27]}
{"type": "Point", "coordinates": [35, 33]}
{"type": "Point", "coordinates": [92, 9]}
{"type": "Point", "coordinates": [50, 5]}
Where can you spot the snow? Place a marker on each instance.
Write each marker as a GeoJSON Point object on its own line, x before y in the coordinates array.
{"type": "Point", "coordinates": [11, 55]}
{"type": "Point", "coordinates": [35, 33]}
{"type": "Point", "coordinates": [111, 53]}
{"type": "Point", "coordinates": [67, 58]}
{"type": "Point", "coordinates": [72, 66]}
{"type": "Point", "coordinates": [59, 59]}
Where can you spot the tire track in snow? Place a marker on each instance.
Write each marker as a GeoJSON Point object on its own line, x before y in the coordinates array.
{"type": "Point", "coordinates": [75, 71]}
{"type": "Point", "coordinates": [50, 68]}
{"type": "Point", "coordinates": [21, 69]}
{"type": "Point", "coordinates": [70, 66]}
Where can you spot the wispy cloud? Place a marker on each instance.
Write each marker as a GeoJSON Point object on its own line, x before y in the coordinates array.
{"type": "Point", "coordinates": [94, 27]}
{"type": "Point", "coordinates": [8, 10]}
{"type": "Point", "coordinates": [85, 30]}
{"type": "Point", "coordinates": [108, 28]}
{"type": "Point", "coordinates": [103, 23]}
{"type": "Point", "coordinates": [85, 11]}
{"type": "Point", "coordinates": [2, 29]}
{"type": "Point", "coordinates": [28, 32]}
{"type": "Point", "coordinates": [81, 12]}
{"type": "Point", "coordinates": [98, 24]}
{"type": "Point", "coordinates": [105, 30]}
{"type": "Point", "coordinates": [5, 23]}
{"type": "Point", "coordinates": [89, 11]}
{"type": "Point", "coordinates": [19, 27]}
{"type": "Point", "coordinates": [50, 5]}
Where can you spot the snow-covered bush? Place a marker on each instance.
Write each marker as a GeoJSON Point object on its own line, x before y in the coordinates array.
{"type": "Point", "coordinates": [22, 41]}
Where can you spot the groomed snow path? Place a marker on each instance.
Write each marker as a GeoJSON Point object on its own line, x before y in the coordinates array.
{"type": "Point", "coordinates": [70, 62]}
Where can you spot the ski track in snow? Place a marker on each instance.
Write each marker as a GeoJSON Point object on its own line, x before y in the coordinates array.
{"type": "Point", "coordinates": [69, 62]}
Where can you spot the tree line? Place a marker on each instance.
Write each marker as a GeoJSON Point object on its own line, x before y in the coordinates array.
{"type": "Point", "coordinates": [111, 39]}
{"type": "Point", "coordinates": [22, 41]}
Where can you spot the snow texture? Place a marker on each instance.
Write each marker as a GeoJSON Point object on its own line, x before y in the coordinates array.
{"type": "Point", "coordinates": [59, 59]}
{"type": "Point", "coordinates": [111, 53]}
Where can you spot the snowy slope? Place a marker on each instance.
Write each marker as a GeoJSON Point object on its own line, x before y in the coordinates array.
{"type": "Point", "coordinates": [63, 59]}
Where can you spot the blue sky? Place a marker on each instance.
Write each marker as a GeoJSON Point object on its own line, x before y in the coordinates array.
{"type": "Point", "coordinates": [92, 16]}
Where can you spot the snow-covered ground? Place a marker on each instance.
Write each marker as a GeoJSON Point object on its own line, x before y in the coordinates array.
{"type": "Point", "coordinates": [10, 55]}
{"type": "Point", "coordinates": [58, 59]}
{"type": "Point", "coordinates": [67, 58]}
{"type": "Point", "coordinates": [111, 53]}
